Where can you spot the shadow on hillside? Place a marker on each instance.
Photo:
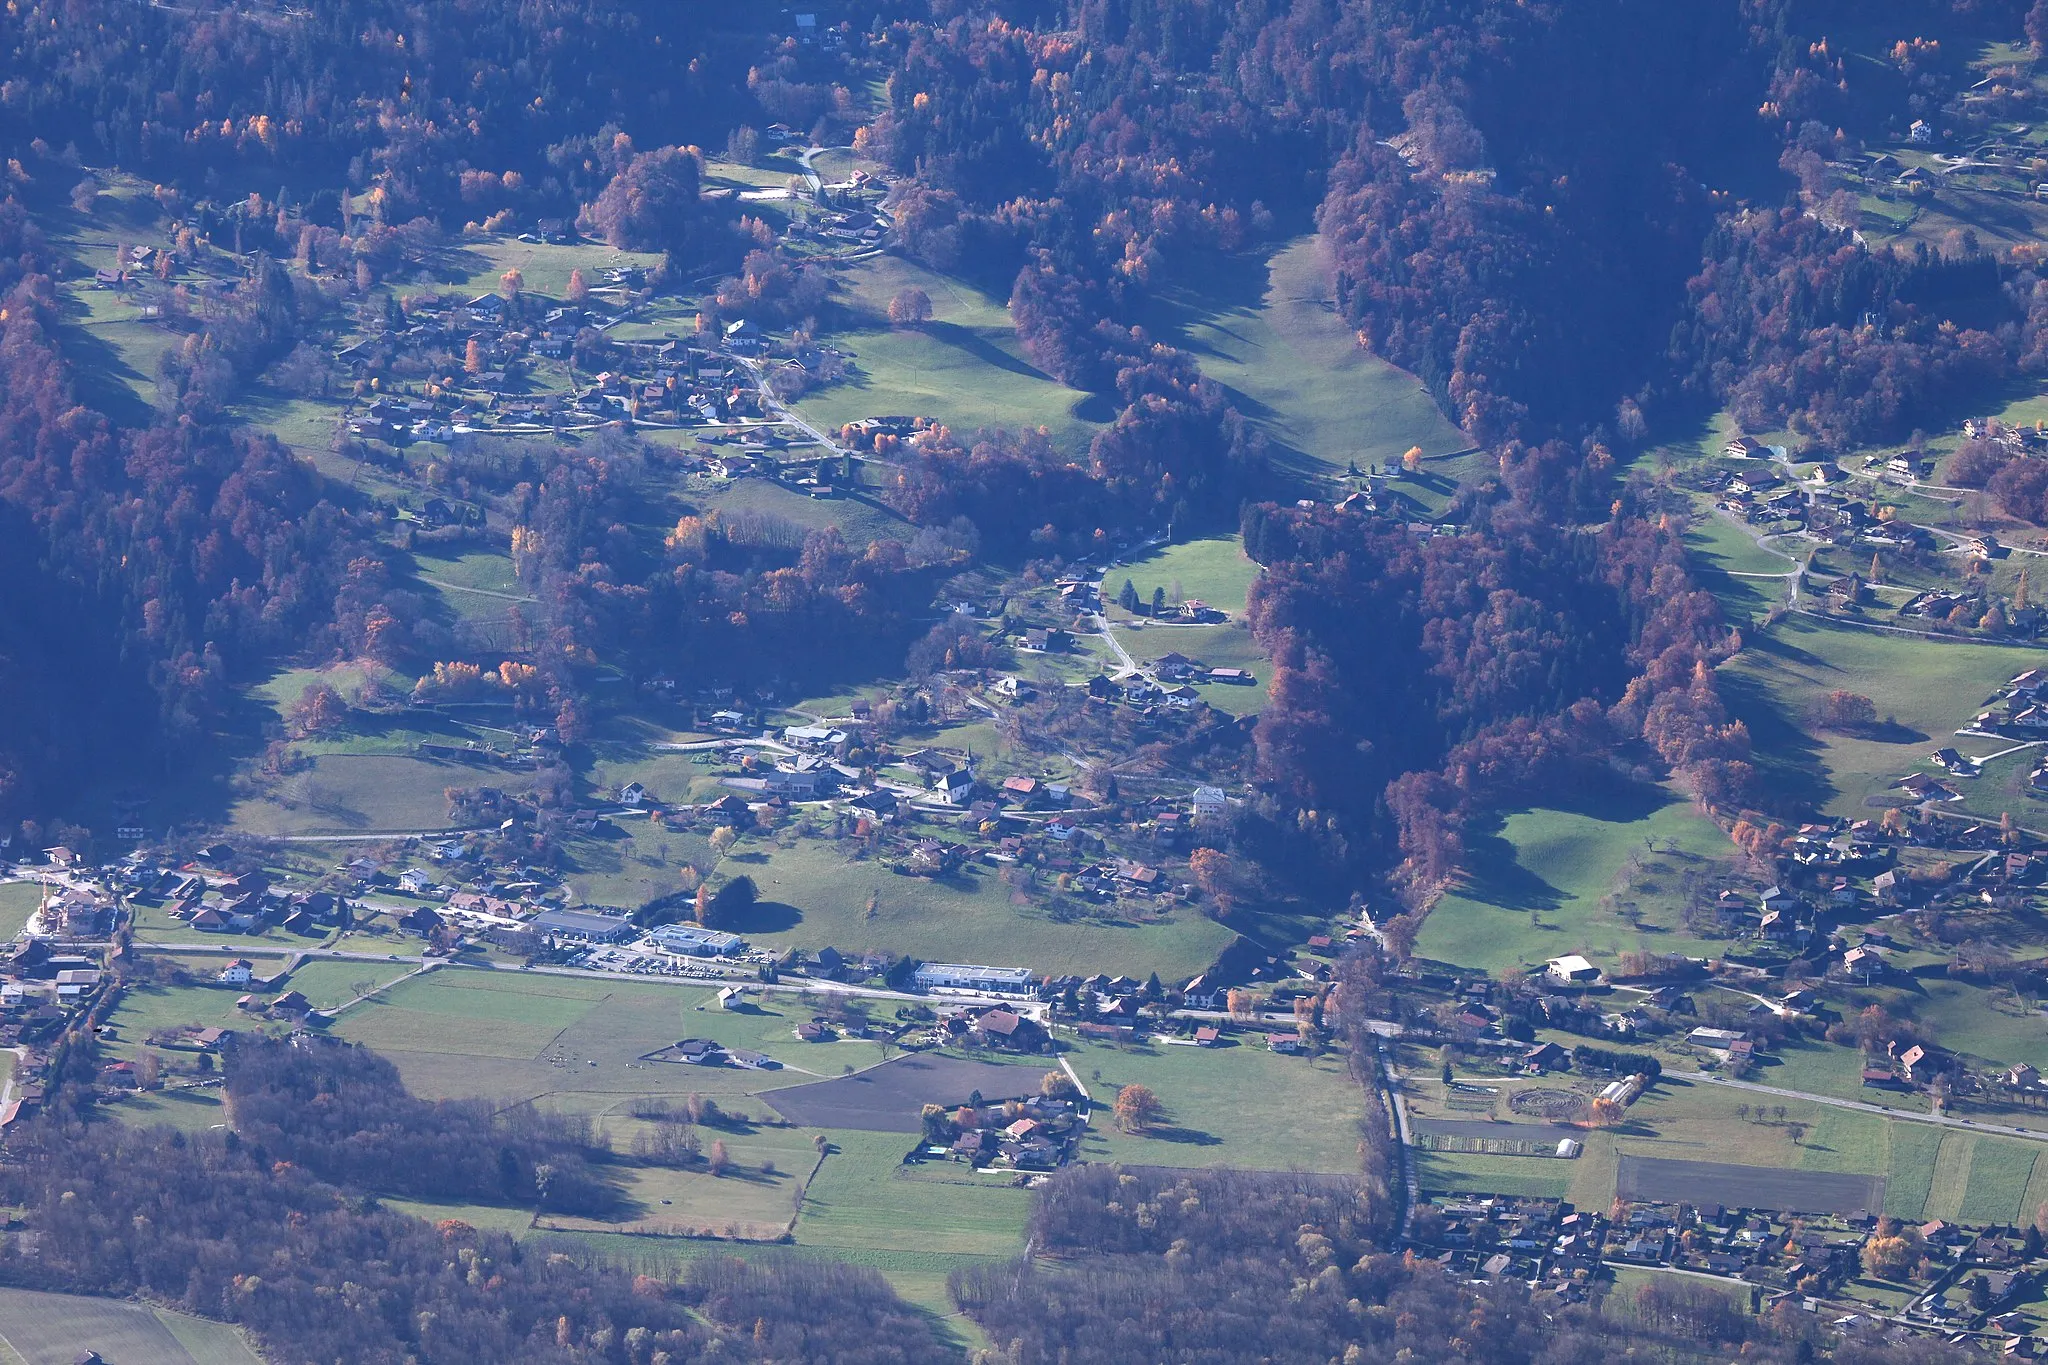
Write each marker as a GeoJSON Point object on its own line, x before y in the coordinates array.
{"type": "Point", "coordinates": [1497, 877]}
{"type": "Point", "coordinates": [1788, 760]}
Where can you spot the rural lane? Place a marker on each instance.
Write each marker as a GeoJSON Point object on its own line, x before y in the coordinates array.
{"type": "Point", "coordinates": [1861, 1106]}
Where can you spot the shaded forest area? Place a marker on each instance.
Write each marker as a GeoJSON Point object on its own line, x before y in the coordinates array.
{"type": "Point", "coordinates": [245, 1226]}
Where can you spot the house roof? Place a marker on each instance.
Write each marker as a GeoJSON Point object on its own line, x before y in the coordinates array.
{"type": "Point", "coordinates": [1000, 1022]}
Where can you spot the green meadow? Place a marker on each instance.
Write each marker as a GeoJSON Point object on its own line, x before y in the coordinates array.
{"type": "Point", "coordinates": [1268, 330]}
{"type": "Point", "coordinates": [1601, 879]}
{"type": "Point", "coordinates": [1927, 689]}
{"type": "Point", "coordinates": [964, 368]}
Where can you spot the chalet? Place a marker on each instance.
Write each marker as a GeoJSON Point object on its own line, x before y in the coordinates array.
{"type": "Point", "coordinates": [1755, 483]}
{"type": "Point", "coordinates": [421, 921]}
{"type": "Point", "coordinates": [1544, 1057]}
{"type": "Point", "coordinates": [1024, 790]}
{"type": "Point", "coordinates": [291, 1002]}
{"type": "Point", "coordinates": [1779, 899]}
{"type": "Point", "coordinates": [1920, 1063]}
{"type": "Point", "coordinates": [1880, 1078]}
{"type": "Point", "coordinates": [1209, 805]}
{"type": "Point", "coordinates": [633, 796]}
{"type": "Point", "coordinates": [1208, 1036]}
{"type": "Point", "coordinates": [1284, 1042]}
{"type": "Point", "coordinates": [1921, 787]}
{"type": "Point", "coordinates": [729, 810]}
{"type": "Point", "coordinates": [1139, 876]}
{"type": "Point", "coordinates": [1745, 448]}
{"type": "Point", "coordinates": [1008, 1029]}
{"type": "Point", "coordinates": [238, 973]}
{"type": "Point", "coordinates": [879, 802]}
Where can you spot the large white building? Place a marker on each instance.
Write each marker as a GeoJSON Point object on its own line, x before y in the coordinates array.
{"type": "Point", "coordinates": [693, 940]}
{"type": "Point", "coordinates": [958, 976]}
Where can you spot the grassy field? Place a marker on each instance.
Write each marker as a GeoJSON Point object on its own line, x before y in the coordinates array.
{"type": "Point", "coordinates": [1268, 330]}
{"type": "Point", "coordinates": [1718, 543]}
{"type": "Point", "coordinates": [1305, 1116]}
{"type": "Point", "coordinates": [1555, 881]}
{"type": "Point", "coordinates": [864, 1198]}
{"type": "Point", "coordinates": [54, 1329]}
{"type": "Point", "coordinates": [18, 901]}
{"type": "Point", "coordinates": [1975, 1021]}
{"type": "Point", "coordinates": [1214, 571]}
{"type": "Point", "coordinates": [812, 896]}
{"type": "Point", "coordinates": [1929, 1172]}
{"type": "Point", "coordinates": [754, 1201]}
{"type": "Point", "coordinates": [1927, 687]}
{"type": "Point", "coordinates": [911, 1224]}
{"type": "Point", "coordinates": [964, 368]}
{"type": "Point", "coordinates": [544, 266]}
{"type": "Point", "coordinates": [635, 861]}
{"type": "Point", "coordinates": [364, 794]}
{"type": "Point", "coordinates": [860, 521]}
{"type": "Point", "coordinates": [575, 1043]}
{"type": "Point", "coordinates": [432, 1014]}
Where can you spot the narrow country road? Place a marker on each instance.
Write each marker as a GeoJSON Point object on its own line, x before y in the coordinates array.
{"type": "Point", "coordinates": [1863, 1107]}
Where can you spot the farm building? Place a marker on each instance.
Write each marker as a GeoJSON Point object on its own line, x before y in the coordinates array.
{"type": "Point", "coordinates": [1572, 970]}
{"type": "Point", "coordinates": [1714, 1039]}
{"type": "Point", "coordinates": [581, 925]}
{"type": "Point", "coordinates": [956, 976]}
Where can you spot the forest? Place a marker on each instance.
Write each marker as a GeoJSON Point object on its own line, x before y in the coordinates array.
{"type": "Point", "coordinates": [274, 1225]}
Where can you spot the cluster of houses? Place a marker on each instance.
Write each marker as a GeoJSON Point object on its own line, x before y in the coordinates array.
{"type": "Point", "coordinates": [2014, 440]}
{"type": "Point", "coordinates": [1032, 1134]}
{"type": "Point", "coordinates": [2019, 711]}
{"type": "Point", "coordinates": [1545, 1242]}
{"type": "Point", "coordinates": [1973, 1276]}
{"type": "Point", "coordinates": [1765, 494]}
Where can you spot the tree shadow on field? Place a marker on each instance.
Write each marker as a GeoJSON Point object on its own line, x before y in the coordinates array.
{"type": "Point", "coordinates": [1788, 759]}
{"type": "Point", "coordinates": [768, 917]}
{"type": "Point", "coordinates": [1497, 877]}
{"type": "Point", "coordinates": [972, 343]}
{"type": "Point", "coordinates": [1193, 1137]}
